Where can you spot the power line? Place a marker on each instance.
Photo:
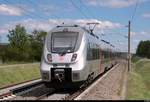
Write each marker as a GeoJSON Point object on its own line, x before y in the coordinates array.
{"type": "Point", "coordinates": [29, 14]}
{"type": "Point", "coordinates": [18, 7]}
{"type": "Point", "coordinates": [81, 2]}
{"type": "Point", "coordinates": [41, 9]}
{"type": "Point", "coordinates": [129, 36]}
{"type": "Point", "coordinates": [135, 9]}
{"type": "Point", "coordinates": [79, 9]}
{"type": "Point", "coordinates": [91, 13]}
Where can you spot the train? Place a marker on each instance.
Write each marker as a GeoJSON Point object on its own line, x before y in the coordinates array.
{"type": "Point", "coordinates": [73, 55]}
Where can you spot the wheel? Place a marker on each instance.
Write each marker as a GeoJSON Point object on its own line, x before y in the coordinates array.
{"type": "Point", "coordinates": [106, 68]}
{"type": "Point", "coordinates": [112, 65]}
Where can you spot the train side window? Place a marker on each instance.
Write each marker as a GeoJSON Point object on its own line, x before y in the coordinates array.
{"type": "Point", "coordinates": [94, 53]}
{"type": "Point", "coordinates": [98, 54]}
{"type": "Point", "coordinates": [89, 52]}
{"type": "Point", "coordinates": [106, 54]}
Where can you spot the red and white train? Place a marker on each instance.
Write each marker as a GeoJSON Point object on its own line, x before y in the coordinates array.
{"type": "Point", "coordinates": [73, 55]}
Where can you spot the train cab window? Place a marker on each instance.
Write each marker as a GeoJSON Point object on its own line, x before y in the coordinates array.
{"type": "Point", "coordinates": [63, 42]}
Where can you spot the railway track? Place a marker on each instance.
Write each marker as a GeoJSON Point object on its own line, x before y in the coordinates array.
{"type": "Point", "coordinates": [38, 91]}
{"type": "Point", "coordinates": [4, 87]}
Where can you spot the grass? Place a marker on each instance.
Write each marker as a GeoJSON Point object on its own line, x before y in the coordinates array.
{"type": "Point", "coordinates": [14, 62]}
{"type": "Point", "coordinates": [135, 58]}
{"type": "Point", "coordinates": [139, 81]}
{"type": "Point", "coordinates": [19, 73]}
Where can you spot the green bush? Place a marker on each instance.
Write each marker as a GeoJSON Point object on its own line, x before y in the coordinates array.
{"type": "Point", "coordinates": [143, 49]}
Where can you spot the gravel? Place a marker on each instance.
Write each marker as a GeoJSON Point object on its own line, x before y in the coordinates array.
{"type": "Point", "coordinates": [110, 87]}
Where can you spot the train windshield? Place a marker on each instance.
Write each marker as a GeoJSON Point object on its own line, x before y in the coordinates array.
{"type": "Point", "coordinates": [63, 42]}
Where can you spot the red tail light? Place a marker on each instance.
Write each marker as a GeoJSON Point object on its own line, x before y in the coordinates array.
{"type": "Point", "coordinates": [49, 57]}
{"type": "Point", "coordinates": [74, 56]}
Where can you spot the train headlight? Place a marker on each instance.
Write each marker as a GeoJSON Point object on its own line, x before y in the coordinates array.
{"type": "Point", "coordinates": [74, 56]}
{"type": "Point", "coordinates": [49, 57]}
{"type": "Point", "coordinates": [76, 76]}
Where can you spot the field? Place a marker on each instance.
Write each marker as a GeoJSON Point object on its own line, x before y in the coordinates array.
{"type": "Point", "coordinates": [138, 87]}
{"type": "Point", "coordinates": [16, 73]}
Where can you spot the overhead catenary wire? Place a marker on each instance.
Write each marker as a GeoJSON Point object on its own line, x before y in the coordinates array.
{"type": "Point", "coordinates": [91, 13]}
{"type": "Point", "coordinates": [134, 12]}
{"type": "Point", "coordinates": [36, 5]}
{"type": "Point", "coordinates": [20, 8]}
{"type": "Point", "coordinates": [28, 13]}
{"type": "Point", "coordinates": [79, 9]}
{"type": "Point", "coordinates": [81, 2]}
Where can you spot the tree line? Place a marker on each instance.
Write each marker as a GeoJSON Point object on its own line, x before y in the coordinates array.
{"type": "Point", "coordinates": [23, 46]}
{"type": "Point", "coordinates": [28, 47]}
{"type": "Point", "coordinates": [143, 49]}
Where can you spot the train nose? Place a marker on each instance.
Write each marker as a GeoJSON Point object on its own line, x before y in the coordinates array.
{"type": "Point", "coordinates": [61, 74]}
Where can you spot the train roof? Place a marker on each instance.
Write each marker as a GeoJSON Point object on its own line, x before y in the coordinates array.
{"type": "Point", "coordinates": [78, 26]}
{"type": "Point", "coordinates": [101, 41]}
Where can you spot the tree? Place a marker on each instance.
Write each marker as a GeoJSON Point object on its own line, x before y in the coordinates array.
{"type": "Point", "coordinates": [143, 49]}
{"type": "Point", "coordinates": [37, 39]}
{"type": "Point", "coordinates": [19, 44]}
{"type": "Point", "coordinates": [3, 48]}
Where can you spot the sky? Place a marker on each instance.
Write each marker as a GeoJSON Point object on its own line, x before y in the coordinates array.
{"type": "Point", "coordinates": [112, 16]}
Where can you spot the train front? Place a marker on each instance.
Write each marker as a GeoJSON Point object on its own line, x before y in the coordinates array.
{"type": "Point", "coordinates": [63, 58]}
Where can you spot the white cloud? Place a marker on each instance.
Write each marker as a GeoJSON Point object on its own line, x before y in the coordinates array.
{"type": "Point", "coordinates": [10, 10]}
{"type": "Point", "coordinates": [83, 22]}
{"type": "Point", "coordinates": [47, 25]}
{"type": "Point", "coordinates": [3, 31]}
{"type": "Point", "coordinates": [113, 3]}
{"type": "Point", "coordinates": [142, 33]}
{"type": "Point", "coordinates": [49, 8]}
{"type": "Point", "coordinates": [133, 33]}
{"type": "Point", "coordinates": [146, 15]}
{"type": "Point", "coordinates": [136, 40]}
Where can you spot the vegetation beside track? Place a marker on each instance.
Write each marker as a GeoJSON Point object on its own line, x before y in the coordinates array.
{"type": "Point", "coordinates": [18, 73]}
{"type": "Point", "coordinates": [135, 58]}
{"type": "Point", "coordinates": [139, 80]}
